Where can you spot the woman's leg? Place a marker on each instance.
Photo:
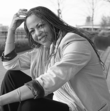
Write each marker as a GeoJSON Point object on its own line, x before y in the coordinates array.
{"type": "Point", "coordinates": [42, 104]}
{"type": "Point", "coordinates": [12, 80]}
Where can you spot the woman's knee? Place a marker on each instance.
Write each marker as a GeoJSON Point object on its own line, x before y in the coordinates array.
{"type": "Point", "coordinates": [16, 75]}
{"type": "Point", "coordinates": [11, 73]}
{"type": "Point", "coordinates": [12, 77]}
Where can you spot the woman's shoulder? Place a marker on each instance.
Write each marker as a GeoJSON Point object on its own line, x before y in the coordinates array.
{"type": "Point", "coordinates": [69, 37]}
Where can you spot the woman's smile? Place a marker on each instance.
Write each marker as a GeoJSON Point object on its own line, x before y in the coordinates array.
{"type": "Point", "coordinates": [42, 39]}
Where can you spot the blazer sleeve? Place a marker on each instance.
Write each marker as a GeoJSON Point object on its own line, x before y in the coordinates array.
{"type": "Point", "coordinates": [75, 56]}
{"type": "Point", "coordinates": [17, 62]}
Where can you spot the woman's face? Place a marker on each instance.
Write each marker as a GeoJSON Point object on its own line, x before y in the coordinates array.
{"type": "Point", "coordinates": [40, 30]}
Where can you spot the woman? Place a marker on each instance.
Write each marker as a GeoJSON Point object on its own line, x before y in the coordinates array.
{"type": "Point", "coordinates": [63, 62]}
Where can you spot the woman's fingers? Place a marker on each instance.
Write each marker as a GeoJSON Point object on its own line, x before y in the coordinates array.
{"type": "Point", "coordinates": [18, 18]}
{"type": "Point", "coordinates": [22, 12]}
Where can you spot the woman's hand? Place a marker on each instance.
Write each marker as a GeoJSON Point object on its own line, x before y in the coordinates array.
{"type": "Point", "coordinates": [18, 19]}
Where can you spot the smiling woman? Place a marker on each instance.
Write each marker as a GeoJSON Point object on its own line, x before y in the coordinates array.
{"type": "Point", "coordinates": [63, 61]}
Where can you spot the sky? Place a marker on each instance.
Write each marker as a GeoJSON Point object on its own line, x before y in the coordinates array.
{"type": "Point", "coordinates": [74, 12]}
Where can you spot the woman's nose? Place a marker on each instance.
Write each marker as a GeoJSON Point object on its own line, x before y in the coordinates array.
{"type": "Point", "coordinates": [37, 33]}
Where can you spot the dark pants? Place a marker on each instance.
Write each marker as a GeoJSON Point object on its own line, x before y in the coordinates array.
{"type": "Point", "coordinates": [15, 79]}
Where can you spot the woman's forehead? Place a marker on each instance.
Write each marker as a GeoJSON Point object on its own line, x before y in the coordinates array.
{"type": "Point", "coordinates": [33, 18]}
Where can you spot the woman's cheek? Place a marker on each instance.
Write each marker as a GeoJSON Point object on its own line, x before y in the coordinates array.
{"type": "Point", "coordinates": [34, 38]}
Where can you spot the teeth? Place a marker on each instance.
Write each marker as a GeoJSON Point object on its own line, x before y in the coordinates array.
{"type": "Point", "coordinates": [40, 38]}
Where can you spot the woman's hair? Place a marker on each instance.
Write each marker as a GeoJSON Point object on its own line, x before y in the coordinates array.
{"type": "Point", "coordinates": [56, 22]}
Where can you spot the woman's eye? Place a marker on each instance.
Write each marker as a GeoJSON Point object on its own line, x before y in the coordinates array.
{"type": "Point", "coordinates": [31, 32]}
{"type": "Point", "coordinates": [41, 26]}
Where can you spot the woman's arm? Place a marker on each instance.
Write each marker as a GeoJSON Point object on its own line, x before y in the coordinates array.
{"type": "Point", "coordinates": [10, 41]}
{"type": "Point", "coordinates": [14, 61]}
{"type": "Point", "coordinates": [23, 93]}
{"type": "Point", "coordinates": [17, 95]}
{"type": "Point", "coordinates": [16, 22]}
{"type": "Point", "coordinates": [9, 57]}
